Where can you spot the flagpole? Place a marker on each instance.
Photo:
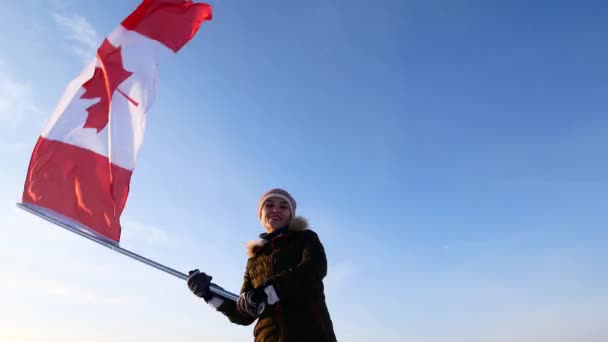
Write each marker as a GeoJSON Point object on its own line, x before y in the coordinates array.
{"type": "Point", "coordinates": [113, 245]}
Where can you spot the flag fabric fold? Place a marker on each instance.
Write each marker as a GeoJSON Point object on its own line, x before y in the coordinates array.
{"type": "Point", "coordinates": [82, 163]}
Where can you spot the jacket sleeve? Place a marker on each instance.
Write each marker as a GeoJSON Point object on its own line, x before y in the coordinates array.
{"type": "Point", "coordinates": [228, 306]}
{"type": "Point", "coordinates": [310, 271]}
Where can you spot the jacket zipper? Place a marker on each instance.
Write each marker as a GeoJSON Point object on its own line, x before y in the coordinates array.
{"type": "Point", "coordinates": [277, 312]}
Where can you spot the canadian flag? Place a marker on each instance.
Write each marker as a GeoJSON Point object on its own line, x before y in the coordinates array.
{"type": "Point", "coordinates": [82, 163]}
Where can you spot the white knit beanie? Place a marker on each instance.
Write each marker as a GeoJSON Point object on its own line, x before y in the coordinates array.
{"type": "Point", "coordinates": [280, 193]}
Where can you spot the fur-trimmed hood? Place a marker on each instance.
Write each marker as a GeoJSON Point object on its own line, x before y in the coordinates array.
{"type": "Point", "coordinates": [297, 224]}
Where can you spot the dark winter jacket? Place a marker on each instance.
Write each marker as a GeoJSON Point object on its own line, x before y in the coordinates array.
{"type": "Point", "coordinates": [295, 262]}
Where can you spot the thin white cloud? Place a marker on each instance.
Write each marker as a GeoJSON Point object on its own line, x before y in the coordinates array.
{"type": "Point", "coordinates": [80, 32]}
{"type": "Point", "coordinates": [11, 147]}
{"type": "Point", "coordinates": [548, 183]}
{"type": "Point", "coordinates": [54, 288]}
{"type": "Point", "coordinates": [145, 233]}
{"type": "Point", "coordinates": [65, 277]}
{"type": "Point", "coordinates": [16, 98]}
{"type": "Point", "coordinates": [338, 276]}
{"type": "Point", "coordinates": [569, 320]}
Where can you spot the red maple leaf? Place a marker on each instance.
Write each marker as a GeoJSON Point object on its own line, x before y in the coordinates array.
{"type": "Point", "coordinates": [102, 85]}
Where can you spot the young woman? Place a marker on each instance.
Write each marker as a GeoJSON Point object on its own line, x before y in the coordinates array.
{"type": "Point", "coordinates": [283, 283]}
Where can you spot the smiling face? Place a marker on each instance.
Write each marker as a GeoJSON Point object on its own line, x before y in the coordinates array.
{"type": "Point", "coordinates": [275, 214]}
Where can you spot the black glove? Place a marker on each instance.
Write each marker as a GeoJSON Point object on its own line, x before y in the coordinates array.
{"type": "Point", "coordinates": [198, 283]}
{"type": "Point", "coordinates": [252, 302]}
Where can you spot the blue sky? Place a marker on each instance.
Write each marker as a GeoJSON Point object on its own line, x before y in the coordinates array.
{"type": "Point", "coordinates": [451, 156]}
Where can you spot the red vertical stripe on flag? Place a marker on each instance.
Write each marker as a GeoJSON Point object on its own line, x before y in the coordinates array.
{"type": "Point", "coordinates": [171, 22]}
{"type": "Point", "coordinates": [79, 184]}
